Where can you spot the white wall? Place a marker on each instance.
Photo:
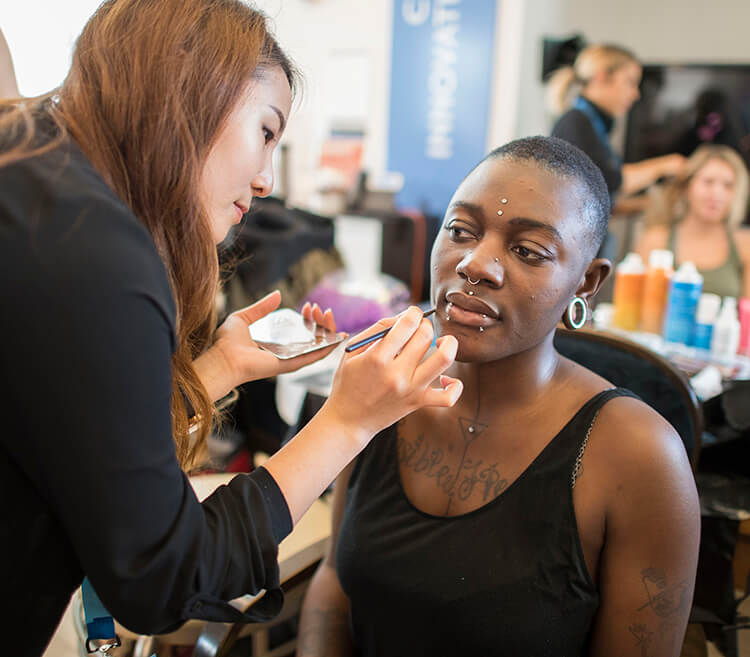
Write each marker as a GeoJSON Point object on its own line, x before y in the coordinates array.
{"type": "Point", "coordinates": [314, 33]}
{"type": "Point", "coordinates": [40, 35]}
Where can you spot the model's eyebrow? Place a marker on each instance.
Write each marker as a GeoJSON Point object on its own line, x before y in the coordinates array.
{"type": "Point", "coordinates": [473, 209]}
{"type": "Point", "coordinates": [525, 222]}
{"type": "Point", "coordinates": [280, 114]}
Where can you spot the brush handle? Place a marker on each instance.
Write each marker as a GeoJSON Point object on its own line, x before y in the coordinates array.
{"type": "Point", "coordinates": [377, 336]}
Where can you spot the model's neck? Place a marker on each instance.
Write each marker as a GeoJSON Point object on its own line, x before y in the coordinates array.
{"type": "Point", "coordinates": [515, 380]}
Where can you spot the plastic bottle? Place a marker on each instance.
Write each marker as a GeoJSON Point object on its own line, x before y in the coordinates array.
{"type": "Point", "coordinates": [726, 337]}
{"type": "Point", "coordinates": [630, 276]}
{"type": "Point", "coordinates": [705, 318]}
{"type": "Point", "coordinates": [684, 292]}
{"type": "Point", "coordinates": [656, 290]}
{"type": "Point", "coordinates": [745, 326]}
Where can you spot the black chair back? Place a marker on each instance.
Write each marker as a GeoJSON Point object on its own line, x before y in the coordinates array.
{"type": "Point", "coordinates": [654, 379]}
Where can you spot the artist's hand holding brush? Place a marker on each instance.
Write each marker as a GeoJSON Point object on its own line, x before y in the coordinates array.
{"type": "Point", "coordinates": [373, 387]}
{"type": "Point", "coordinates": [391, 377]}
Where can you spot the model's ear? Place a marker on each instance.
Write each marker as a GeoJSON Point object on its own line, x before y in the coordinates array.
{"type": "Point", "coordinates": [595, 275]}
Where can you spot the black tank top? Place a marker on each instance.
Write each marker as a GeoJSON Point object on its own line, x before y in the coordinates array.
{"type": "Point", "coordinates": [508, 578]}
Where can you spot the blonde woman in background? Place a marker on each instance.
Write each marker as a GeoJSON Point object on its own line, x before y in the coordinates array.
{"type": "Point", "coordinates": [697, 217]}
{"type": "Point", "coordinates": [600, 87]}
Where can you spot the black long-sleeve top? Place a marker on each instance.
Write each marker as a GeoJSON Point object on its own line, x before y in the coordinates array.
{"type": "Point", "coordinates": [89, 479]}
{"type": "Point", "coordinates": [575, 127]}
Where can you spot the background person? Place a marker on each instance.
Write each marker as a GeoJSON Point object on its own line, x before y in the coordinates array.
{"type": "Point", "coordinates": [601, 86]}
{"type": "Point", "coordinates": [8, 84]}
{"type": "Point", "coordinates": [697, 217]}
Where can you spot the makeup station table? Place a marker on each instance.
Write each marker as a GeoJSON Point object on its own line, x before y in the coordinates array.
{"type": "Point", "coordinates": [705, 372]}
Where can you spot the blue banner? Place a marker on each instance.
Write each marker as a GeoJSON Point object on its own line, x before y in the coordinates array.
{"type": "Point", "coordinates": [441, 79]}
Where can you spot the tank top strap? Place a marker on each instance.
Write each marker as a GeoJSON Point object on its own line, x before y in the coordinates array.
{"type": "Point", "coordinates": [672, 237]}
{"type": "Point", "coordinates": [586, 418]}
{"type": "Point", "coordinates": [734, 254]}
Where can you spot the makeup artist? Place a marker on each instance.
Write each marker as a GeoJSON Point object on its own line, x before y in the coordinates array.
{"type": "Point", "coordinates": [547, 513]}
{"type": "Point", "coordinates": [605, 81]}
{"type": "Point", "coordinates": [114, 191]}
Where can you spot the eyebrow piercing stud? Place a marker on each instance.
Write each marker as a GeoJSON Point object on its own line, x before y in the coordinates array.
{"type": "Point", "coordinates": [472, 281]}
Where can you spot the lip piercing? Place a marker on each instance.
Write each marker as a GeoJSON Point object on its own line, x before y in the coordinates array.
{"type": "Point", "coordinates": [481, 329]}
{"type": "Point", "coordinates": [447, 311]}
{"type": "Point", "coordinates": [472, 281]}
{"type": "Point", "coordinates": [504, 201]}
{"type": "Point", "coordinates": [500, 213]}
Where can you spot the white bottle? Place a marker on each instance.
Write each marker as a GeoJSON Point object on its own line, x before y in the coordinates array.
{"type": "Point", "coordinates": [705, 318]}
{"type": "Point", "coordinates": [726, 334]}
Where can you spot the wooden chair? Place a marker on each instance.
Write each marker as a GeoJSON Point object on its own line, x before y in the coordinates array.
{"type": "Point", "coordinates": [653, 378]}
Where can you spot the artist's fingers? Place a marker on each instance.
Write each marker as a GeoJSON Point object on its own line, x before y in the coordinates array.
{"type": "Point", "coordinates": [401, 332]}
{"type": "Point", "coordinates": [437, 362]}
{"type": "Point", "coordinates": [446, 396]}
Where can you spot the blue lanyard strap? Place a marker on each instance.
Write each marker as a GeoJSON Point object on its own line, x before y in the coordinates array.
{"type": "Point", "coordinates": [99, 623]}
{"type": "Point", "coordinates": [600, 127]}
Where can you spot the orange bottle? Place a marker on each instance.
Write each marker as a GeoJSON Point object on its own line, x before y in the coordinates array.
{"type": "Point", "coordinates": [656, 290]}
{"type": "Point", "coordinates": [630, 276]}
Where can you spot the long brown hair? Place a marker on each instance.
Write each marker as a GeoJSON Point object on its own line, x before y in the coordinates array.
{"type": "Point", "coordinates": [669, 204]}
{"type": "Point", "coordinates": [151, 85]}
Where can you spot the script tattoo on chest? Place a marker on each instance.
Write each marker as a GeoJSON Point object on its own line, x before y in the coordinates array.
{"type": "Point", "coordinates": [462, 482]}
{"type": "Point", "coordinates": [469, 477]}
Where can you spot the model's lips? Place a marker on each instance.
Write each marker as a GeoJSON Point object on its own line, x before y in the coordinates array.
{"type": "Point", "coordinates": [470, 311]}
{"type": "Point", "coordinates": [472, 304]}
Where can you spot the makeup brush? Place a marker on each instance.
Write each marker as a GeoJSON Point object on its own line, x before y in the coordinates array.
{"type": "Point", "coordinates": [378, 335]}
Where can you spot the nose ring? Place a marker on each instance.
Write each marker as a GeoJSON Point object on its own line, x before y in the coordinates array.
{"type": "Point", "coordinates": [472, 281]}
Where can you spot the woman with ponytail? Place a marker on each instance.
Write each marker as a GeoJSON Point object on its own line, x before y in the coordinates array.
{"type": "Point", "coordinates": [114, 191]}
{"type": "Point", "coordinates": [601, 86]}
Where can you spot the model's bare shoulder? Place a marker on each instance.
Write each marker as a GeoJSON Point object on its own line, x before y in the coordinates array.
{"type": "Point", "coordinates": [635, 448]}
